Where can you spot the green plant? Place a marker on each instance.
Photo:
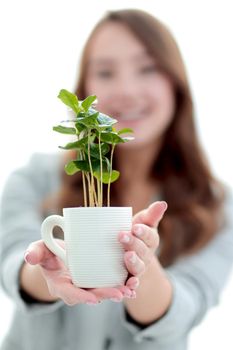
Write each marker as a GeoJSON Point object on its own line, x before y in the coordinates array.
{"type": "Point", "coordinates": [96, 139]}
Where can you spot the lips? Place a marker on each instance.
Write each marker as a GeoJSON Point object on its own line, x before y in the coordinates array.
{"type": "Point", "coordinates": [130, 116]}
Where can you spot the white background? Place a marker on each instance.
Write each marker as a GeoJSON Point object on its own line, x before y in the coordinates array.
{"type": "Point", "coordinates": [40, 47]}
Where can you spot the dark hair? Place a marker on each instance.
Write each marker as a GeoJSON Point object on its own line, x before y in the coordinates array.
{"type": "Point", "coordinates": [194, 197]}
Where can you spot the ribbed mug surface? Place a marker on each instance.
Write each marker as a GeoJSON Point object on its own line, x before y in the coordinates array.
{"type": "Point", "coordinates": [94, 254]}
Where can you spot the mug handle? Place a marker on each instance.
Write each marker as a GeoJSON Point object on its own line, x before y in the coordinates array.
{"type": "Point", "coordinates": [47, 235]}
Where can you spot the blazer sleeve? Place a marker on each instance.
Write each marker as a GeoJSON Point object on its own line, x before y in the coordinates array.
{"type": "Point", "coordinates": [197, 282]}
{"type": "Point", "coordinates": [20, 221]}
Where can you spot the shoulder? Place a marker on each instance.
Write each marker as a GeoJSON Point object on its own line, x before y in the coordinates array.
{"type": "Point", "coordinates": [41, 163]}
{"type": "Point", "coordinates": [41, 172]}
{"type": "Point", "coordinates": [217, 255]}
{"type": "Point", "coordinates": [44, 160]}
{"type": "Point", "coordinates": [228, 207]}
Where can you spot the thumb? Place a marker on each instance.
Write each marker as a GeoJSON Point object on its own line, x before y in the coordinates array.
{"type": "Point", "coordinates": [152, 215]}
{"type": "Point", "coordinates": [37, 252]}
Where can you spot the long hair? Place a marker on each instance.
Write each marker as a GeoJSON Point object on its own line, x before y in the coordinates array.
{"type": "Point", "coordinates": [194, 197]}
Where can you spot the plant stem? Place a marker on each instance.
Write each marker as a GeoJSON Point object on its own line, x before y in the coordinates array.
{"type": "Point", "coordinates": [84, 189]}
{"type": "Point", "coordinates": [101, 175]}
{"type": "Point", "coordinates": [92, 185]}
{"type": "Point", "coordinates": [95, 195]}
{"type": "Point", "coordinates": [95, 200]}
{"type": "Point", "coordinates": [98, 191]}
{"type": "Point", "coordinates": [89, 186]}
{"type": "Point", "coordinates": [109, 181]}
{"type": "Point", "coordinates": [84, 183]}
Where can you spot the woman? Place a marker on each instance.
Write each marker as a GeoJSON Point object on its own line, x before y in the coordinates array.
{"type": "Point", "coordinates": [132, 63]}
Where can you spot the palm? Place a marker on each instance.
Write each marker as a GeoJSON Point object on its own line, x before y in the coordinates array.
{"type": "Point", "coordinates": [59, 280]}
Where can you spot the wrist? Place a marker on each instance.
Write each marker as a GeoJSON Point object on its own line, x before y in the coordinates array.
{"type": "Point", "coordinates": [153, 296]}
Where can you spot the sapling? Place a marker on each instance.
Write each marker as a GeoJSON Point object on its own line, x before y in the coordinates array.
{"type": "Point", "coordinates": [96, 139]}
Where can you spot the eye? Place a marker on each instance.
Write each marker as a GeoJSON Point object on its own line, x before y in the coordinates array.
{"type": "Point", "coordinates": [104, 74]}
{"type": "Point", "coordinates": [149, 68]}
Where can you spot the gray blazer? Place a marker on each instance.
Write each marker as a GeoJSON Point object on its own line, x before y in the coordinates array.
{"type": "Point", "coordinates": [197, 281]}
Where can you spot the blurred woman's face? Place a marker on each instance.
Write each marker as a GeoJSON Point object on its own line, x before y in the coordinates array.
{"type": "Point", "coordinates": [128, 84]}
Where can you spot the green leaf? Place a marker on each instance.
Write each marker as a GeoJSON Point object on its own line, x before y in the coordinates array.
{"type": "Point", "coordinates": [80, 144]}
{"type": "Point", "coordinates": [105, 120]}
{"type": "Point", "coordinates": [104, 148]}
{"type": "Point", "coordinates": [128, 138]}
{"type": "Point", "coordinates": [107, 128]}
{"type": "Point", "coordinates": [94, 149]}
{"type": "Point", "coordinates": [90, 122]}
{"type": "Point", "coordinates": [80, 127]}
{"type": "Point", "coordinates": [125, 131]}
{"type": "Point", "coordinates": [82, 165]}
{"type": "Point", "coordinates": [71, 168]}
{"type": "Point", "coordinates": [106, 176]}
{"type": "Point", "coordinates": [95, 164]}
{"type": "Point", "coordinates": [111, 137]}
{"type": "Point", "coordinates": [107, 164]}
{"type": "Point", "coordinates": [69, 99]}
{"type": "Point", "coordinates": [76, 165]}
{"type": "Point", "coordinates": [81, 115]}
{"type": "Point", "coordinates": [76, 144]}
{"type": "Point", "coordinates": [86, 104]}
{"type": "Point", "coordinates": [64, 130]}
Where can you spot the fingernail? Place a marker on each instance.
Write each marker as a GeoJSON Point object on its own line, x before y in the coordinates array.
{"type": "Point", "coordinates": [133, 294]}
{"type": "Point", "coordinates": [133, 258]}
{"type": "Point", "coordinates": [127, 294]}
{"type": "Point", "coordinates": [136, 284]}
{"type": "Point", "coordinates": [138, 230]}
{"type": "Point", "coordinates": [26, 256]}
{"type": "Point", "coordinates": [164, 204]}
{"type": "Point", "coordinates": [125, 239]}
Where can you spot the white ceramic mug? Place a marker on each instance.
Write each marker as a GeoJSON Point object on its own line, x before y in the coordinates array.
{"type": "Point", "coordinates": [93, 254]}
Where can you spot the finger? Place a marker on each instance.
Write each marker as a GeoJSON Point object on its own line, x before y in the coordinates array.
{"type": "Point", "coordinates": [37, 252]}
{"type": "Point", "coordinates": [132, 283]}
{"type": "Point", "coordinates": [132, 243]}
{"type": "Point", "coordinates": [152, 215]}
{"type": "Point", "coordinates": [134, 264]}
{"type": "Point", "coordinates": [147, 234]}
{"type": "Point", "coordinates": [73, 295]}
{"type": "Point", "coordinates": [108, 293]}
{"type": "Point", "coordinates": [126, 291]}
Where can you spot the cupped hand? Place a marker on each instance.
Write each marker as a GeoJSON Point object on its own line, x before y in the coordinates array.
{"type": "Point", "coordinates": [142, 241]}
{"type": "Point", "coordinates": [59, 281]}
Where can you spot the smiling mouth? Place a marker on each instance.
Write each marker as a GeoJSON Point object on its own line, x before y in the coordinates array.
{"type": "Point", "coordinates": [132, 116]}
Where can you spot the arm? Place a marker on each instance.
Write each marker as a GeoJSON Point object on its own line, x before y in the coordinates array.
{"type": "Point", "coordinates": [20, 224]}
{"type": "Point", "coordinates": [154, 295]}
{"type": "Point", "coordinates": [155, 290]}
{"type": "Point", "coordinates": [44, 277]}
{"type": "Point", "coordinates": [196, 280]}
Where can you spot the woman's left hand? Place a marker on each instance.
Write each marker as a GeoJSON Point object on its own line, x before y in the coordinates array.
{"type": "Point", "coordinates": [142, 241]}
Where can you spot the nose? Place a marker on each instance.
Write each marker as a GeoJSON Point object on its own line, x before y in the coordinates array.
{"type": "Point", "coordinates": [126, 87]}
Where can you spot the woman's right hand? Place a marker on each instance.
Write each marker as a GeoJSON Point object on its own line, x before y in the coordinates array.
{"type": "Point", "coordinates": [59, 281]}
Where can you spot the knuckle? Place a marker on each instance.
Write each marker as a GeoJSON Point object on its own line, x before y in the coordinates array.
{"type": "Point", "coordinates": [155, 237]}
{"type": "Point", "coordinates": [141, 252]}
